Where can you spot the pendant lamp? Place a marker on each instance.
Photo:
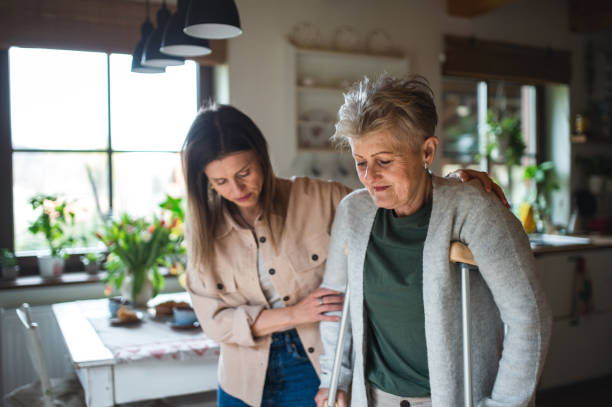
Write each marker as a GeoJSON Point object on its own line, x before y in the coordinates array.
{"type": "Point", "coordinates": [145, 30]}
{"type": "Point", "coordinates": [151, 56]}
{"type": "Point", "coordinates": [176, 42]}
{"type": "Point", "coordinates": [213, 19]}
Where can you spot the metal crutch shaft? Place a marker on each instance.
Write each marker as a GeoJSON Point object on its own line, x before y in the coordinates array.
{"type": "Point", "coordinates": [333, 388]}
{"type": "Point", "coordinates": [467, 335]}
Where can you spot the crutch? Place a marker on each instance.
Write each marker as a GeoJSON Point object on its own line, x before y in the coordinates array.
{"type": "Point", "coordinates": [461, 255]}
{"type": "Point", "coordinates": [333, 388]}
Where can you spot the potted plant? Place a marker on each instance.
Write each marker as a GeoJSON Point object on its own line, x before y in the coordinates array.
{"type": "Point", "coordinates": [8, 265]}
{"type": "Point", "coordinates": [505, 141]}
{"type": "Point", "coordinates": [92, 262]}
{"type": "Point", "coordinates": [137, 248]}
{"type": "Point", "coordinates": [54, 216]}
{"type": "Point", "coordinates": [544, 178]}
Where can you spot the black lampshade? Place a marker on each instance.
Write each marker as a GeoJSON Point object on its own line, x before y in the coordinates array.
{"type": "Point", "coordinates": [146, 30]}
{"type": "Point", "coordinates": [176, 42]}
{"type": "Point", "coordinates": [151, 56]}
{"type": "Point", "coordinates": [213, 19]}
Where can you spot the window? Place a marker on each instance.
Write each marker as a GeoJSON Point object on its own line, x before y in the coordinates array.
{"type": "Point", "coordinates": [470, 109]}
{"type": "Point", "coordinates": [86, 128]}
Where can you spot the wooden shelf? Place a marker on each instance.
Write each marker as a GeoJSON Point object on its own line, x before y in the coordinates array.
{"type": "Point", "coordinates": [584, 139]}
{"type": "Point", "coordinates": [358, 53]}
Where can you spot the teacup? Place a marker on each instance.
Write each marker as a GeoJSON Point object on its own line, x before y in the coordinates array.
{"type": "Point", "coordinates": [114, 303]}
{"type": "Point", "coordinates": [184, 316]}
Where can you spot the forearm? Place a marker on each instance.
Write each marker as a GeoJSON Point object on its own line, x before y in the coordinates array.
{"type": "Point", "coordinates": [273, 320]}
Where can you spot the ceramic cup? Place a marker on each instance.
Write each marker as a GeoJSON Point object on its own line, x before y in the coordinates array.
{"type": "Point", "coordinates": [184, 316]}
{"type": "Point", "coordinates": [114, 303]}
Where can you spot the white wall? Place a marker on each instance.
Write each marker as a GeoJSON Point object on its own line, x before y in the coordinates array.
{"type": "Point", "coordinates": [257, 59]}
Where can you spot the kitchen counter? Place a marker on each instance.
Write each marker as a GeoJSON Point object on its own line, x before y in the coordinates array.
{"type": "Point", "coordinates": [543, 244]}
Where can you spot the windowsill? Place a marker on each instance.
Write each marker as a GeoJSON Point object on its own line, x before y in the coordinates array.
{"type": "Point", "coordinates": [64, 279]}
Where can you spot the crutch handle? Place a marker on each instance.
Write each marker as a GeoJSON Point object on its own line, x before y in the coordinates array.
{"type": "Point", "coordinates": [459, 253]}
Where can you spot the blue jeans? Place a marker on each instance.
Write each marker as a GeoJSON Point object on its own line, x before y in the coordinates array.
{"type": "Point", "coordinates": [291, 380]}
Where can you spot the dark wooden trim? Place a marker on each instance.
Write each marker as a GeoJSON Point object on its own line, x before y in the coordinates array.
{"type": "Point", "coordinates": [472, 8]}
{"type": "Point", "coordinates": [589, 15]}
{"type": "Point", "coordinates": [6, 157]}
{"type": "Point", "coordinates": [482, 59]}
{"type": "Point", "coordinates": [541, 126]}
{"type": "Point", "coordinates": [206, 85]}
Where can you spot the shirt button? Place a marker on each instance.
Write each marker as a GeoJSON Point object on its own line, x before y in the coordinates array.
{"type": "Point", "coordinates": [262, 239]}
{"type": "Point", "coordinates": [220, 286]}
{"type": "Point", "coordinates": [404, 403]}
{"type": "Point", "coordinates": [271, 271]}
{"type": "Point", "coordinates": [315, 257]}
{"type": "Point", "coordinates": [311, 350]}
{"type": "Point", "coordinates": [286, 298]}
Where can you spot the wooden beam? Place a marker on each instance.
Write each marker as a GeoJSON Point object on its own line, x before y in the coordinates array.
{"type": "Point", "coordinates": [89, 25]}
{"type": "Point", "coordinates": [472, 8]}
{"type": "Point", "coordinates": [590, 15]}
{"type": "Point", "coordinates": [475, 58]}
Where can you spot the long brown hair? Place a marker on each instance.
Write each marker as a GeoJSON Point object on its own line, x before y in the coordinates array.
{"type": "Point", "coordinates": [219, 130]}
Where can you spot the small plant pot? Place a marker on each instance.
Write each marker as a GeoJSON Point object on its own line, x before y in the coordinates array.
{"type": "Point", "coordinates": [9, 273]}
{"type": "Point", "coordinates": [92, 268]}
{"type": "Point", "coordinates": [50, 267]}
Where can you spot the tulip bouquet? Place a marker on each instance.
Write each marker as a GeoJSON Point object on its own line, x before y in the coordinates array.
{"type": "Point", "coordinates": [138, 247]}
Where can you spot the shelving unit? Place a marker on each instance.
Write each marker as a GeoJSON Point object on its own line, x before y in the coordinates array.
{"type": "Point", "coordinates": [317, 82]}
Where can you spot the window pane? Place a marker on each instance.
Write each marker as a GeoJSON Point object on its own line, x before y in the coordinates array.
{"type": "Point", "coordinates": [151, 112]}
{"type": "Point", "coordinates": [142, 180]}
{"type": "Point", "coordinates": [58, 99]}
{"type": "Point", "coordinates": [460, 119]}
{"type": "Point", "coordinates": [62, 174]}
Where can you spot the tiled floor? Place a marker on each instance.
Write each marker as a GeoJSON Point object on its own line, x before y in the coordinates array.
{"type": "Point", "coordinates": [594, 393]}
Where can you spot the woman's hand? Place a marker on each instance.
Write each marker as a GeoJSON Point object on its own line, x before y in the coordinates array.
{"type": "Point", "coordinates": [465, 175]}
{"type": "Point", "coordinates": [341, 398]}
{"type": "Point", "coordinates": [316, 304]}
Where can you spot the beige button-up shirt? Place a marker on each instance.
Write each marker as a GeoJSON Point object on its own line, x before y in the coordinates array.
{"type": "Point", "coordinates": [228, 298]}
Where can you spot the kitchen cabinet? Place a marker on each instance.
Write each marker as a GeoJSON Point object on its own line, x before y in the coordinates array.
{"type": "Point", "coordinates": [580, 349]}
{"type": "Point", "coordinates": [317, 80]}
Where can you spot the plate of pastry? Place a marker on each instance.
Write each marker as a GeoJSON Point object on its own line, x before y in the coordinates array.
{"type": "Point", "coordinates": [126, 316]}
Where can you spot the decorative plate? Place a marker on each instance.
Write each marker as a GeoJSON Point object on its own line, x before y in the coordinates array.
{"type": "Point", "coordinates": [379, 41]}
{"type": "Point", "coordinates": [178, 327]}
{"type": "Point", "coordinates": [117, 322]}
{"type": "Point", "coordinates": [347, 38]}
{"type": "Point", "coordinates": [306, 35]}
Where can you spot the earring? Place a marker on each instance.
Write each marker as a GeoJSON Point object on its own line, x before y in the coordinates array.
{"type": "Point", "coordinates": [426, 165]}
{"type": "Point", "coordinates": [211, 188]}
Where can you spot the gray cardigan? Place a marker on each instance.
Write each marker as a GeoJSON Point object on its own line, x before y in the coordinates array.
{"type": "Point", "coordinates": [505, 289]}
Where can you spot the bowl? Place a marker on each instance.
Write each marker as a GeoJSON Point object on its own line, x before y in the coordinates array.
{"type": "Point", "coordinates": [184, 316]}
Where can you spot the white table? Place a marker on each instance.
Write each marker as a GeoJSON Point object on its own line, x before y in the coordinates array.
{"type": "Point", "coordinates": [107, 373]}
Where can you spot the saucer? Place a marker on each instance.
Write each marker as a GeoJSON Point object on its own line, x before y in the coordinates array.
{"type": "Point", "coordinates": [178, 327]}
{"type": "Point", "coordinates": [117, 322]}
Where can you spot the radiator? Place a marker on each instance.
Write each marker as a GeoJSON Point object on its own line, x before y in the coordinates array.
{"type": "Point", "coordinates": [17, 367]}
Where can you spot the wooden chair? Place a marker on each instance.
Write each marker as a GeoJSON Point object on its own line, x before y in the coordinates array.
{"type": "Point", "coordinates": [45, 392]}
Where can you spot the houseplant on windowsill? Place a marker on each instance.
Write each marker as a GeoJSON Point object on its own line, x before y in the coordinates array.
{"type": "Point", "coordinates": [137, 248]}
{"type": "Point", "coordinates": [9, 269]}
{"type": "Point", "coordinates": [55, 216]}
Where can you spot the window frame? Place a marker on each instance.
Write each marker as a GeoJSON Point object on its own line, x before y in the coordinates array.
{"type": "Point", "coordinates": [28, 264]}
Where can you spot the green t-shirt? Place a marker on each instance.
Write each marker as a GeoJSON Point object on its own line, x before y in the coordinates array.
{"type": "Point", "coordinates": [396, 359]}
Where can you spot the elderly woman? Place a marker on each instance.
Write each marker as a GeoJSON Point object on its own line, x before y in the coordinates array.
{"type": "Point", "coordinates": [390, 241]}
